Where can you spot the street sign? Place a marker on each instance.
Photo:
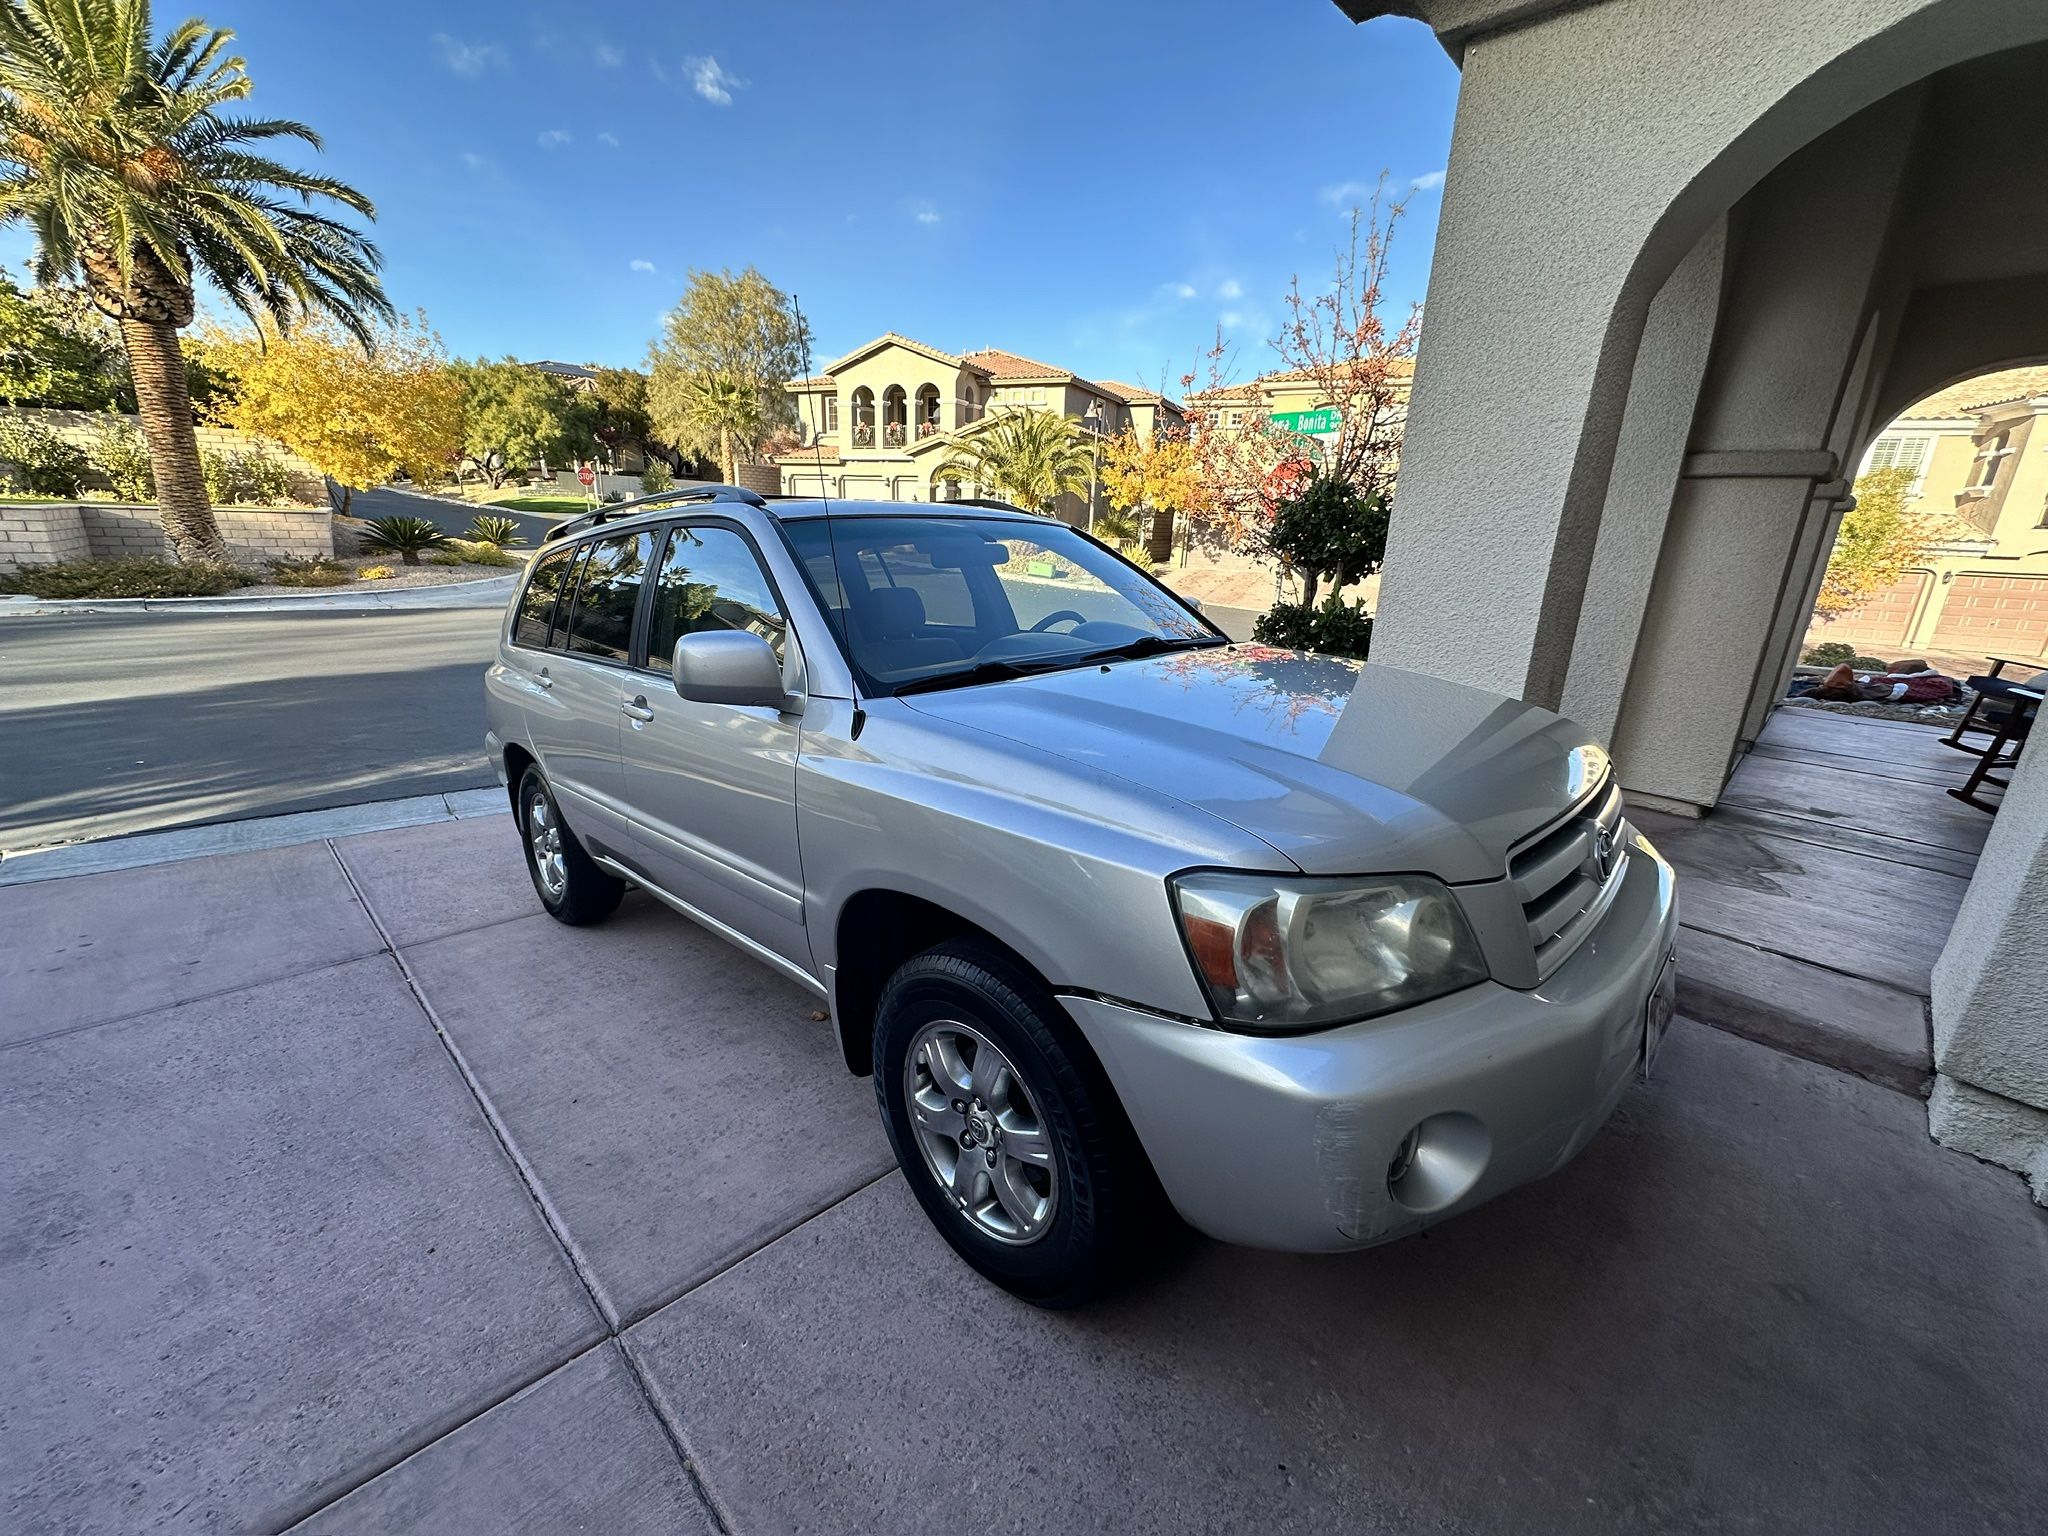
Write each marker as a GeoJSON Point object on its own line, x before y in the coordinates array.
{"type": "Point", "coordinates": [585, 476]}
{"type": "Point", "coordinates": [1307, 423]}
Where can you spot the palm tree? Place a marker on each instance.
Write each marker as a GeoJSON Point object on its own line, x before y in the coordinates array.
{"type": "Point", "coordinates": [114, 151]}
{"type": "Point", "coordinates": [1033, 457]}
{"type": "Point", "coordinates": [719, 408]}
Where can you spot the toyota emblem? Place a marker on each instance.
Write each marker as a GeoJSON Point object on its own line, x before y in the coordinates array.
{"type": "Point", "coordinates": [1605, 852]}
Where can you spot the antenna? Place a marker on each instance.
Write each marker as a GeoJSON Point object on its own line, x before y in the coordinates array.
{"type": "Point", "coordinates": [803, 336]}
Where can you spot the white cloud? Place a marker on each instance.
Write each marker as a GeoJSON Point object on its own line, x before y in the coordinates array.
{"type": "Point", "coordinates": [469, 59]}
{"type": "Point", "coordinates": [1427, 183]}
{"type": "Point", "coordinates": [925, 211]}
{"type": "Point", "coordinates": [1345, 194]}
{"type": "Point", "coordinates": [608, 139]}
{"type": "Point", "coordinates": [1179, 290]}
{"type": "Point", "coordinates": [712, 80]}
{"type": "Point", "coordinates": [1230, 288]}
{"type": "Point", "coordinates": [640, 264]}
{"type": "Point", "coordinates": [608, 56]}
{"type": "Point", "coordinates": [1230, 319]}
{"type": "Point", "coordinates": [555, 137]}
{"type": "Point", "coordinates": [472, 161]}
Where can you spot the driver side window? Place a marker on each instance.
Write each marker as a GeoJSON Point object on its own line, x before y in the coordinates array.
{"type": "Point", "coordinates": [709, 579]}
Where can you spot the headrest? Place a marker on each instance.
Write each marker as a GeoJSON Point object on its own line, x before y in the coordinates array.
{"type": "Point", "coordinates": [891, 613]}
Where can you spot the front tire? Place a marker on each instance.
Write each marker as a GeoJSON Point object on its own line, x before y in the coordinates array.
{"type": "Point", "coordinates": [565, 878]}
{"type": "Point", "coordinates": [1011, 1139]}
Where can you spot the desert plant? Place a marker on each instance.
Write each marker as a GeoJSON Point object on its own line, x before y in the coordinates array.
{"type": "Point", "coordinates": [376, 573]}
{"type": "Point", "coordinates": [318, 571]}
{"type": "Point", "coordinates": [1033, 457]}
{"type": "Point", "coordinates": [404, 537]}
{"type": "Point", "coordinates": [119, 159]}
{"type": "Point", "coordinates": [1119, 526]}
{"type": "Point", "coordinates": [125, 578]}
{"type": "Point", "coordinates": [498, 532]}
{"type": "Point", "coordinates": [45, 463]}
{"type": "Point", "coordinates": [655, 478]}
{"type": "Point", "coordinates": [1870, 664]}
{"type": "Point", "coordinates": [1830, 653]}
{"type": "Point", "coordinates": [123, 457]}
{"type": "Point", "coordinates": [1334, 627]}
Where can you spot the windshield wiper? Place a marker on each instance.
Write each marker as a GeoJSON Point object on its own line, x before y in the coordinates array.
{"type": "Point", "coordinates": [1155, 645]}
{"type": "Point", "coordinates": [987, 672]}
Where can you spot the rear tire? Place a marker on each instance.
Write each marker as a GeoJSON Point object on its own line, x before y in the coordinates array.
{"type": "Point", "coordinates": [1010, 1136]}
{"type": "Point", "coordinates": [565, 878]}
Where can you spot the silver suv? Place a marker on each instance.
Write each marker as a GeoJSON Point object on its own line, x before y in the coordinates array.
{"type": "Point", "coordinates": [1120, 915]}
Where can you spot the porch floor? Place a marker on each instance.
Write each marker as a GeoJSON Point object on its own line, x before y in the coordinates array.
{"type": "Point", "coordinates": [1816, 896]}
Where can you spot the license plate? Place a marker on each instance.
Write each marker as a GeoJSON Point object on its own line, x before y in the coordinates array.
{"type": "Point", "coordinates": [1659, 1011]}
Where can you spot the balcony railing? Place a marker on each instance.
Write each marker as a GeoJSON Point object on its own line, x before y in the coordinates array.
{"type": "Point", "coordinates": [864, 435]}
{"type": "Point", "coordinates": [893, 435]}
{"type": "Point", "coordinates": [927, 429]}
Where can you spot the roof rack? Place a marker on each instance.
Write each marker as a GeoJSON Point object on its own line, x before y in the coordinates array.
{"type": "Point", "coordinates": [681, 494]}
{"type": "Point", "coordinates": [991, 502]}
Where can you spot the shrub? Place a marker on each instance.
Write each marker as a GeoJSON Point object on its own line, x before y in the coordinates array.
{"type": "Point", "coordinates": [404, 537]}
{"type": "Point", "coordinates": [655, 478]}
{"type": "Point", "coordinates": [45, 463]}
{"type": "Point", "coordinates": [1334, 627]}
{"type": "Point", "coordinates": [498, 532]}
{"type": "Point", "coordinates": [125, 578]}
{"type": "Point", "coordinates": [123, 457]}
{"type": "Point", "coordinates": [1869, 664]}
{"type": "Point", "coordinates": [316, 572]}
{"type": "Point", "coordinates": [376, 573]}
{"type": "Point", "coordinates": [469, 552]}
{"type": "Point", "coordinates": [248, 478]}
{"type": "Point", "coordinates": [440, 557]}
{"type": "Point", "coordinates": [1830, 653]}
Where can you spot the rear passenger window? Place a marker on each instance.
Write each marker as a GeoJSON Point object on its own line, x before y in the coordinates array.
{"type": "Point", "coordinates": [601, 622]}
{"type": "Point", "coordinates": [537, 604]}
{"type": "Point", "coordinates": [710, 580]}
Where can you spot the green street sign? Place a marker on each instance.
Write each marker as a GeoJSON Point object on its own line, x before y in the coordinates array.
{"type": "Point", "coordinates": [1307, 423]}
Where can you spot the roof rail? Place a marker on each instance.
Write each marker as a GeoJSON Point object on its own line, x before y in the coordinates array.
{"type": "Point", "coordinates": [679, 495]}
{"type": "Point", "coordinates": [994, 504]}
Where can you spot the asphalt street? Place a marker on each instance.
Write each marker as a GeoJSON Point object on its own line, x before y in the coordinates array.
{"type": "Point", "coordinates": [115, 723]}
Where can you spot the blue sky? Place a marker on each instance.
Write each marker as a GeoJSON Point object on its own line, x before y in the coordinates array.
{"type": "Point", "coordinates": [1097, 185]}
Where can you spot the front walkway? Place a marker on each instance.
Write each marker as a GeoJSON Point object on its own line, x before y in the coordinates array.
{"type": "Point", "coordinates": [337, 1184]}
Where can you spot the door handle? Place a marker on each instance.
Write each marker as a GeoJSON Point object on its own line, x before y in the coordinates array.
{"type": "Point", "coordinates": [637, 710]}
{"type": "Point", "coordinates": [542, 680]}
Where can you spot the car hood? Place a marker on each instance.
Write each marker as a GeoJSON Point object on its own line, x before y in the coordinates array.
{"type": "Point", "coordinates": [1345, 768]}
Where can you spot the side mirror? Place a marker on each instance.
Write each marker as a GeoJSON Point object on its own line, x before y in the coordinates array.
{"type": "Point", "coordinates": [1193, 602]}
{"type": "Point", "coordinates": [729, 666]}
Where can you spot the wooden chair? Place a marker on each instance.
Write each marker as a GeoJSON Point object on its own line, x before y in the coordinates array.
{"type": "Point", "coordinates": [2009, 727]}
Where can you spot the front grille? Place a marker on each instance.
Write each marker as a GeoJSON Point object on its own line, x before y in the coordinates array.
{"type": "Point", "coordinates": [1561, 880]}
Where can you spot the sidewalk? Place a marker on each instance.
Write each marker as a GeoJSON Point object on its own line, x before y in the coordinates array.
{"type": "Point", "coordinates": [340, 1185]}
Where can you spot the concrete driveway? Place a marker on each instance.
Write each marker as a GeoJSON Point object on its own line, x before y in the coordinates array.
{"type": "Point", "coordinates": [338, 1185]}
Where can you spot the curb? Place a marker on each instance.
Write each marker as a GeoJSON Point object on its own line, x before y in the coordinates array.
{"type": "Point", "coordinates": [485, 592]}
{"type": "Point", "coordinates": [29, 866]}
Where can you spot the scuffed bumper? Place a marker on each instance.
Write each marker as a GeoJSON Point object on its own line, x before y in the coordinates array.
{"type": "Point", "coordinates": [1288, 1143]}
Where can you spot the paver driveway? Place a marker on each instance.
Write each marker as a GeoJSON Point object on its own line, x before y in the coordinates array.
{"type": "Point", "coordinates": [338, 1185]}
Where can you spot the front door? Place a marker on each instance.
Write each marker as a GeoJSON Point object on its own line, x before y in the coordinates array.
{"type": "Point", "coordinates": [713, 786]}
{"type": "Point", "coordinates": [582, 682]}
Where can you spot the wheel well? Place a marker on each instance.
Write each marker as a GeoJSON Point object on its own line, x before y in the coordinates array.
{"type": "Point", "coordinates": [517, 761]}
{"type": "Point", "coordinates": [878, 931]}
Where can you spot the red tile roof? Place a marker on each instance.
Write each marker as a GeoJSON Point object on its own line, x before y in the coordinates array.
{"type": "Point", "coordinates": [1987, 389]}
{"type": "Point", "coordinates": [1008, 365]}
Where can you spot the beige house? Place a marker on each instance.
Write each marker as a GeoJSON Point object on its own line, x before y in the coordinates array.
{"type": "Point", "coordinates": [880, 421]}
{"type": "Point", "coordinates": [1978, 453]}
{"type": "Point", "coordinates": [1280, 394]}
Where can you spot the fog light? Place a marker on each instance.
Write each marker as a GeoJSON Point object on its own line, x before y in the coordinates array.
{"type": "Point", "coordinates": [1439, 1161]}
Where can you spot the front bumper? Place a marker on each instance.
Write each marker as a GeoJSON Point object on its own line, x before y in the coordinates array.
{"type": "Point", "coordinates": [1288, 1143]}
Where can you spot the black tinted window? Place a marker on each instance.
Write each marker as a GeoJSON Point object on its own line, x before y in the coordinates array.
{"type": "Point", "coordinates": [710, 580]}
{"type": "Point", "coordinates": [602, 622]}
{"type": "Point", "coordinates": [537, 605]}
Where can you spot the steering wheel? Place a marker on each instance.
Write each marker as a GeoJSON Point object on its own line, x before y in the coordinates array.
{"type": "Point", "coordinates": [1053, 618]}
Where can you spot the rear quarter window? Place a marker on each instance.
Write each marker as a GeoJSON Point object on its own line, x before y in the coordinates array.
{"type": "Point", "coordinates": [537, 603]}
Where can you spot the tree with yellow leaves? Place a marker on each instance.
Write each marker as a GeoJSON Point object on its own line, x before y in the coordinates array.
{"type": "Point", "coordinates": [1160, 474]}
{"type": "Point", "coordinates": [358, 416]}
{"type": "Point", "coordinates": [1880, 539]}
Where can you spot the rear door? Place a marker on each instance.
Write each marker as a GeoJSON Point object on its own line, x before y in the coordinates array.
{"type": "Point", "coordinates": [713, 786]}
{"type": "Point", "coordinates": [582, 684]}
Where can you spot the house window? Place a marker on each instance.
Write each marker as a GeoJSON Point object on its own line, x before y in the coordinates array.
{"type": "Point", "coordinates": [831, 414]}
{"type": "Point", "coordinates": [1989, 456]}
{"type": "Point", "coordinates": [1896, 450]}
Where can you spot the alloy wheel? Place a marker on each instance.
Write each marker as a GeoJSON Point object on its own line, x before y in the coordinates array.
{"type": "Point", "coordinates": [544, 837]}
{"type": "Point", "coordinates": [980, 1131]}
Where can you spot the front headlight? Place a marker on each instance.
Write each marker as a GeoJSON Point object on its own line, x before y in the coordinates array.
{"type": "Point", "coordinates": [1280, 953]}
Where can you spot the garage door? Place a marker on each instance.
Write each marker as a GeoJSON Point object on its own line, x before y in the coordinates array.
{"type": "Point", "coordinates": [1995, 616]}
{"type": "Point", "coordinates": [1881, 623]}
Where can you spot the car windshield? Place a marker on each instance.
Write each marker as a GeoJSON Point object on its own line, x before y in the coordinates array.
{"type": "Point", "coordinates": [941, 602]}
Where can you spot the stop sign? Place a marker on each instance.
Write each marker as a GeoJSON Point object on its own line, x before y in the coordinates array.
{"type": "Point", "coordinates": [585, 476]}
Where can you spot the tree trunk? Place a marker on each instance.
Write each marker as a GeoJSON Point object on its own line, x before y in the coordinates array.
{"type": "Point", "coordinates": [1309, 582]}
{"type": "Point", "coordinates": [161, 400]}
{"type": "Point", "coordinates": [725, 456]}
